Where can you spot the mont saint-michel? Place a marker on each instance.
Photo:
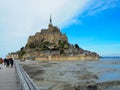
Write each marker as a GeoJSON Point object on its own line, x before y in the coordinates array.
{"type": "Point", "coordinates": [51, 44]}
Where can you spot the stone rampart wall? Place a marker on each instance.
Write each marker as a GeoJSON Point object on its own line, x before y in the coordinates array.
{"type": "Point", "coordinates": [68, 58]}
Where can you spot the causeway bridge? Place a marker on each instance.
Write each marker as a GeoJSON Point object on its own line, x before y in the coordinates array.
{"type": "Point", "coordinates": [15, 78]}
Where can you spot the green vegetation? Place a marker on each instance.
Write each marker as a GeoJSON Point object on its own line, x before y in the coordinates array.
{"type": "Point", "coordinates": [21, 52]}
{"type": "Point", "coordinates": [31, 45]}
{"type": "Point", "coordinates": [66, 46]}
{"type": "Point", "coordinates": [63, 44]}
{"type": "Point", "coordinates": [44, 45]}
{"type": "Point", "coordinates": [77, 46]}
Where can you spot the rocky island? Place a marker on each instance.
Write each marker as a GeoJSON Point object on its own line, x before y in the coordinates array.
{"type": "Point", "coordinates": [51, 44]}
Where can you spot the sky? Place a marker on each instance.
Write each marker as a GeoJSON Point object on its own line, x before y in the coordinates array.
{"type": "Point", "coordinates": [93, 24]}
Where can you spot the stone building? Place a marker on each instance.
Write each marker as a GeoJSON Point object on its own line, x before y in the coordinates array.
{"type": "Point", "coordinates": [13, 55]}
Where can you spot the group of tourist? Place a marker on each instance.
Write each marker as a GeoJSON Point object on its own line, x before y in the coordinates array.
{"type": "Point", "coordinates": [7, 61]}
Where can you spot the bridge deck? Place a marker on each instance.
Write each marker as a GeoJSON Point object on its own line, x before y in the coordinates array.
{"type": "Point", "coordinates": [9, 79]}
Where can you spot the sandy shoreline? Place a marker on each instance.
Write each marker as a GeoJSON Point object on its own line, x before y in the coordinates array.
{"type": "Point", "coordinates": [74, 75]}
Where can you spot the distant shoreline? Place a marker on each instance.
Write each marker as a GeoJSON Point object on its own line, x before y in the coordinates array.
{"type": "Point", "coordinates": [109, 56]}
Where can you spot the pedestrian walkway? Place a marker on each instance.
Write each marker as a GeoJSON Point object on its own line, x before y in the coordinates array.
{"type": "Point", "coordinates": [9, 79]}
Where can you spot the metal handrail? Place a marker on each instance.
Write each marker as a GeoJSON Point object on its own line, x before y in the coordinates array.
{"type": "Point", "coordinates": [25, 81]}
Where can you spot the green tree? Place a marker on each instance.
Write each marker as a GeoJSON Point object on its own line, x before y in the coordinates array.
{"type": "Point", "coordinates": [21, 53]}
{"type": "Point", "coordinates": [77, 46]}
{"type": "Point", "coordinates": [44, 45]}
{"type": "Point", "coordinates": [21, 48]}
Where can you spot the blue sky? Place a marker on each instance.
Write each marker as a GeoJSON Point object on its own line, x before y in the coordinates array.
{"type": "Point", "coordinates": [93, 24]}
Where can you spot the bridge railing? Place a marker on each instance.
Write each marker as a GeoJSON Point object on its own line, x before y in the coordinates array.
{"type": "Point", "coordinates": [25, 81]}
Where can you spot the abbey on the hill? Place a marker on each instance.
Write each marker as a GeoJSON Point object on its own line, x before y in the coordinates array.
{"type": "Point", "coordinates": [51, 35]}
{"type": "Point", "coordinates": [51, 44]}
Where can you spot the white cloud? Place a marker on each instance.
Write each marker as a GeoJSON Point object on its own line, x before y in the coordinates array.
{"type": "Point", "coordinates": [21, 18]}
{"type": "Point", "coordinates": [97, 6]}
{"type": "Point", "coordinates": [27, 15]}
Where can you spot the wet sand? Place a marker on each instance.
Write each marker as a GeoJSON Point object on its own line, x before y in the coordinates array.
{"type": "Point", "coordinates": [74, 75]}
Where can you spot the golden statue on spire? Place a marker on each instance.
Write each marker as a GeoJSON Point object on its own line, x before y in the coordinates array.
{"type": "Point", "coordinates": [50, 19]}
{"type": "Point", "coordinates": [50, 24]}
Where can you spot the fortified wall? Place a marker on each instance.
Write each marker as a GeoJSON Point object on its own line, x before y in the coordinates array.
{"type": "Point", "coordinates": [70, 58]}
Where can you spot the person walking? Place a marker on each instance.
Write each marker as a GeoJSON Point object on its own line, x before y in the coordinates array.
{"type": "Point", "coordinates": [1, 61]}
{"type": "Point", "coordinates": [11, 62]}
{"type": "Point", "coordinates": [7, 62]}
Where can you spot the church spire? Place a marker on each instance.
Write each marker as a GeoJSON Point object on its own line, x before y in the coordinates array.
{"type": "Point", "coordinates": [50, 19]}
{"type": "Point", "coordinates": [50, 24]}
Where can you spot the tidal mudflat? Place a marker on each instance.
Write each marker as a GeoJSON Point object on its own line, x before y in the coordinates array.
{"type": "Point", "coordinates": [75, 75]}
